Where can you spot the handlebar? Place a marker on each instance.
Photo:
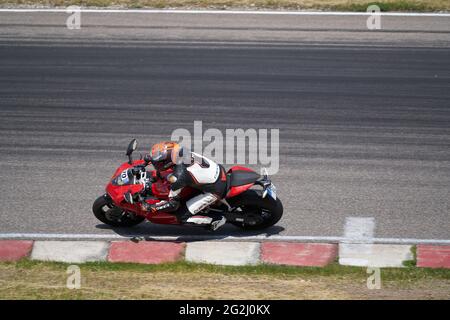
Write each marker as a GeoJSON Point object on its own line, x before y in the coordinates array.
{"type": "Point", "coordinates": [136, 171]}
{"type": "Point", "coordinates": [147, 159]}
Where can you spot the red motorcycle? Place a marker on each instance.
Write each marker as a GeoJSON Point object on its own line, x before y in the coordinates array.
{"type": "Point", "coordinates": [243, 205]}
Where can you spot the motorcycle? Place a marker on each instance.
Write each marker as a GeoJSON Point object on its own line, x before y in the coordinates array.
{"type": "Point", "coordinates": [250, 203]}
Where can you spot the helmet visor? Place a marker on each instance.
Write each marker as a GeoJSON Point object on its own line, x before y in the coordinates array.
{"type": "Point", "coordinates": [159, 155]}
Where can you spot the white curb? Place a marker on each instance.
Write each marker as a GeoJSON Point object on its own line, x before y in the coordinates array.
{"type": "Point", "coordinates": [70, 251]}
{"type": "Point", "coordinates": [223, 253]}
{"type": "Point", "coordinates": [374, 255]}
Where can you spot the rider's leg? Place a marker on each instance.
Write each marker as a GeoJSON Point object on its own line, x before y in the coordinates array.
{"type": "Point", "coordinates": [184, 216]}
{"type": "Point", "coordinates": [199, 203]}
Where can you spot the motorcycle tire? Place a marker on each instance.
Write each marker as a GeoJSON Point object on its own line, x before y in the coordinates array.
{"type": "Point", "coordinates": [253, 199]}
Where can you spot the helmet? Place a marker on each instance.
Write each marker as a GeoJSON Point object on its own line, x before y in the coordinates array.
{"type": "Point", "coordinates": [163, 154]}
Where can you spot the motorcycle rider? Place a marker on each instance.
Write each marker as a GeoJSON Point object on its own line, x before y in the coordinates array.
{"type": "Point", "coordinates": [189, 170]}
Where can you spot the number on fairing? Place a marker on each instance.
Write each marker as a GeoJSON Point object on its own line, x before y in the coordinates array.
{"type": "Point", "coordinates": [124, 176]}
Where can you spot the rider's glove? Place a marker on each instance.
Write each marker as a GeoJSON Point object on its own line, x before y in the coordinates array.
{"type": "Point", "coordinates": [155, 207]}
{"type": "Point", "coordinates": [147, 159]}
{"type": "Point", "coordinates": [148, 207]}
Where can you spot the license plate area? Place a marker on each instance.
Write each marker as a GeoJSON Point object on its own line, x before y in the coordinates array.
{"type": "Point", "coordinates": [272, 191]}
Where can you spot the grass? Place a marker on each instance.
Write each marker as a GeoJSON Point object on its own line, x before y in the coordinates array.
{"type": "Point", "coordinates": [389, 274]}
{"type": "Point", "coordinates": [337, 5]}
{"type": "Point", "coordinates": [413, 262]}
{"type": "Point", "coordinates": [28, 279]}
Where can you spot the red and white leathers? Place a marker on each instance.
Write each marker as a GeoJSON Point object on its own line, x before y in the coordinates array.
{"type": "Point", "coordinates": [201, 173]}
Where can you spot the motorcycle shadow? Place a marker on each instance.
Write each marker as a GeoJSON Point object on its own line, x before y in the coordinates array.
{"type": "Point", "coordinates": [154, 232]}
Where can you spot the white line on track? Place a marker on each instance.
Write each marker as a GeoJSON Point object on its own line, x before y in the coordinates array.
{"type": "Point", "coordinates": [61, 236]}
{"type": "Point", "coordinates": [249, 12]}
{"type": "Point", "coordinates": [357, 251]}
{"type": "Point", "coordinates": [359, 229]}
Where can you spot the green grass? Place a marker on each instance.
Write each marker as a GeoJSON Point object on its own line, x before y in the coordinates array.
{"type": "Point", "coordinates": [336, 5]}
{"type": "Point", "coordinates": [388, 274]}
{"type": "Point", "coordinates": [28, 279]}
{"type": "Point", "coordinates": [413, 262]}
{"type": "Point", "coordinates": [385, 7]}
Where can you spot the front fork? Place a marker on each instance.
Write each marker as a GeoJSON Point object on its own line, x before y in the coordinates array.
{"type": "Point", "coordinates": [108, 198]}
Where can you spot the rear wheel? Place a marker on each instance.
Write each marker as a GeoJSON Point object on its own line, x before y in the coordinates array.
{"type": "Point", "coordinates": [259, 213]}
{"type": "Point", "coordinates": [106, 212]}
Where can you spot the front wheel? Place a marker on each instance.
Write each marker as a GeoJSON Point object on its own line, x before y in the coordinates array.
{"type": "Point", "coordinates": [258, 212]}
{"type": "Point", "coordinates": [106, 212]}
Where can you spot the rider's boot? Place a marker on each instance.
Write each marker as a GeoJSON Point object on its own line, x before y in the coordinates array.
{"type": "Point", "coordinates": [217, 223]}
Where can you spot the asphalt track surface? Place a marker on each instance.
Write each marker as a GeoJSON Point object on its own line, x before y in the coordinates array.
{"type": "Point", "coordinates": [364, 116]}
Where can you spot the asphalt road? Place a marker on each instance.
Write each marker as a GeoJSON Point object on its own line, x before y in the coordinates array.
{"type": "Point", "coordinates": [364, 116]}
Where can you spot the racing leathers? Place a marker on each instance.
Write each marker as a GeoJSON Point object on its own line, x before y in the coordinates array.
{"type": "Point", "coordinates": [200, 173]}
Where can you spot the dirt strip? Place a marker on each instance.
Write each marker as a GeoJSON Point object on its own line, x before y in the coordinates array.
{"type": "Point", "coordinates": [48, 281]}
